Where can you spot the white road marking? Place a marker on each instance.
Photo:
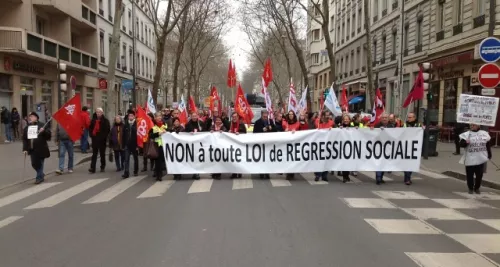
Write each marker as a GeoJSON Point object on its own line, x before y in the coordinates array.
{"type": "Point", "coordinates": [112, 192]}
{"type": "Point", "coordinates": [390, 226]}
{"type": "Point", "coordinates": [368, 203]}
{"type": "Point", "coordinates": [242, 183]}
{"type": "Point", "coordinates": [279, 180]}
{"type": "Point", "coordinates": [25, 193]}
{"type": "Point", "coordinates": [462, 203]}
{"type": "Point", "coordinates": [157, 189]}
{"type": "Point", "coordinates": [399, 195]}
{"type": "Point", "coordinates": [66, 194]}
{"type": "Point", "coordinates": [201, 186]}
{"type": "Point", "coordinates": [309, 177]}
{"type": "Point", "coordinates": [493, 223]}
{"type": "Point", "coordinates": [483, 196]}
{"type": "Point", "coordinates": [433, 174]}
{"type": "Point", "coordinates": [9, 220]}
{"type": "Point", "coordinates": [402, 175]}
{"type": "Point", "coordinates": [353, 179]}
{"type": "Point", "coordinates": [437, 214]}
{"type": "Point", "coordinates": [428, 259]}
{"type": "Point", "coordinates": [480, 243]}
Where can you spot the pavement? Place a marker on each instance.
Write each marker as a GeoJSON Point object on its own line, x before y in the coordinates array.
{"type": "Point", "coordinates": [447, 163]}
{"type": "Point", "coordinates": [78, 219]}
{"type": "Point", "coordinates": [12, 163]}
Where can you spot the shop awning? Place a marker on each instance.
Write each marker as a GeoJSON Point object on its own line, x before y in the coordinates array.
{"type": "Point", "coordinates": [357, 99]}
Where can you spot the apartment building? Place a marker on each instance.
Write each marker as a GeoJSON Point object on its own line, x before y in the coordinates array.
{"type": "Point", "coordinates": [145, 51]}
{"type": "Point", "coordinates": [34, 35]}
{"type": "Point", "coordinates": [444, 32]}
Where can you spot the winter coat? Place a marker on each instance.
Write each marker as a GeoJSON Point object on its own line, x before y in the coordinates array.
{"type": "Point", "coordinates": [259, 125]}
{"type": "Point", "coordinates": [193, 126]}
{"type": "Point", "coordinates": [38, 146]}
{"type": "Point", "coordinates": [174, 129]}
{"type": "Point", "coordinates": [104, 129]}
{"type": "Point", "coordinates": [61, 134]}
{"type": "Point", "coordinates": [129, 137]}
{"type": "Point", "coordinates": [5, 116]}
{"type": "Point", "coordinates": [241, 128]}
{"type": "Point", "coordinates": [116, 137]}
{"type": "Point", "coordinates": [16, 118]}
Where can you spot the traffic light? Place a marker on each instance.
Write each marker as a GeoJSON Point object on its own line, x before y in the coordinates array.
{"type": "Point", "coordinates": [63, 77]}
{"type": "Point", "coordinates": [429, 96]}
{"type": "Point", "coordinates": [426, 71]}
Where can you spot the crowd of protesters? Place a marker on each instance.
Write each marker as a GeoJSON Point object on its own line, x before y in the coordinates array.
{"type": "Point", "coordinates": [120, 136]}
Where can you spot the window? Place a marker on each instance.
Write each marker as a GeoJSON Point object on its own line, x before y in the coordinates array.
{"type": "Point", "coordinates": [440, 15]}
{"type": "Point", "coordinates": [40, 25]}
{"type": "Point", "coordinates": [360, 58]}
{"type": "Point", "coordinates": [480, 7]}
{"type": "Point", "coordinates": [353, 61]}
{"type": "Point", "coordinates": [375, 8]}
{"type": "Point", "coordinates": [124, 56]}
{"type": "Point", "coordinates": [316, 35]}
{"type": "Point", "coordinates": [332, 23]}
{"type": "Point", "coordinates": [338, 34]}
{"type": "Point", "coordinates": [384, 5]}
{"type": "Point", "coordinates": [130, 19]}
{"type": "Point", "coordinates": [101, 6]}
{"type": "Point", "coordinates": [110, 8]}
{"type": "Point", "coordinates": [73, 39]}
{"type": "Point", "coordinates": [353, 22]}
{"type": "Point", "coordinates": [142, 31]}
{"type": "Point", "coordinates": [137, 28]}
{"type": "Point", "coordinates": [147, 67]}
{"type": "Point", "coordinates": [101, 46]}
{"type": "Point", "coordinates": [359, 18]}
{"type": "Point", "coordinates": [343, 31]}
{"type": "Point", "coordinates": [405, 38]}
{"type": "Point", "coordinates": [450, 102]}
{"type": "Point", "coordinates": [348, 31]}
{"type": "Point", "coordinates": [393, 42]}
{"type": "Point", "coordinates": [143, 66]}
{"type": "Point", "coordinates": [384, 46]}
{"type": "Point", "coordinates": [374, 51]}
{"type": "Point", "coordinates": [419, 32]}
{"type": "Point", "coordinates": [109, 43]}
{"type": "Point", "coordinates": [346, 70]}
{"type": "Point", "coordinates": [459, 9]}
{"type": "Point", "coordinates": [315, 58]}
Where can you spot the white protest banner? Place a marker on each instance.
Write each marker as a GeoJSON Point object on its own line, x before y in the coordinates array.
{"type": "Point", "coordinates": [348, 149]}
{"type": "Point", "coordinates": [481, 110]}
{"type": "Point", "coordinates": [32, 132]}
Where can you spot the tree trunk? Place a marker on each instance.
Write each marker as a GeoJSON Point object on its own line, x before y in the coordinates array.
{"type": "Point", "coordinates": [328, 41]}
{"type": "Point", "coordinates": [111, 107]}
{"type": "Point", "coordinates": [178, 54]}
{"type": "Point", "coordinates": [369, 60]}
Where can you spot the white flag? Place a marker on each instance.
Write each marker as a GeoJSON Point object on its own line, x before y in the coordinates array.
{"type": "Point", "coordinates": [332, 103]}
{"type": "Point", "coordinates": [292, 99]}
{"type": "Point", "coordinates": [302, 107]}
{"type": "Point", "coordinates": [151, 104]}
{"type": "Point", "coordinates": [267, 97]}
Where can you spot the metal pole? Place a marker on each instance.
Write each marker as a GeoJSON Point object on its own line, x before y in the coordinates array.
{"type": "Point", "coordinates": [134, 101]}
{"type": "Point", "coordinates": [401, 53]}
{"type": "Point", "coordinates": [59, 92]}
{"type": "Point", "coordinates": [427, 124]}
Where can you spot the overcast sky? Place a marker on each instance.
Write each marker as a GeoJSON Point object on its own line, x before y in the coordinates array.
{"type": "Point", "coordinates": [237, 42]}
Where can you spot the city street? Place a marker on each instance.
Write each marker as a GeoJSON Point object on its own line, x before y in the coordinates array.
{"type": "Point", "coordinates": [102, 220]}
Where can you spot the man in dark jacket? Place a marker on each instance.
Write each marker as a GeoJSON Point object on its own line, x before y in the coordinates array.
{"type": "Point", "coordinates": [35, 139]}
{"type": "Point", "coordinates": [384, 123]}
{"type": "Point", "coordinates": [411, 122]}
{"type": "Point", "coordinates": [99, 132]}
{"type": "Point", "coordinates": [65, 144]}
{"type": "Point", "coordinates": [130, 143]}
{"type": "Point", "coordinates": [264, 125]}
{"type": "Point", "coordinates": [194, 125]}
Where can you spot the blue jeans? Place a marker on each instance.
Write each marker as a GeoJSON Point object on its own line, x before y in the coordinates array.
{"type": "Point", "coordinates": [84, 141]}
{"type": "Point", "coordinates": [65, 145]}
{"type": "Point", "coordinates": [8, 132]}
{"type": "Point", "coordinates": [379, 176]}
{"type": "Point", "coordinates": [321, 175]}
{"type": "Point", "coordinates": [119, 159]}
{"type": "Point", "coordinates": [37, 165]}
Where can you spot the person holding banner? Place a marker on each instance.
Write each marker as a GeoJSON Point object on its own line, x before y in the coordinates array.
{"type": "Point", "coordinates": [194, 125]}
{"type": "Point", "coordinates": [264, 125]}
{"type": "Point", "coordinates": [278, 122]}
{"type": "Point", "coordinates": [303, 123]}
{"type": "Point", "coordinates": [384, 123]}
{"type": "Point", "coordinates": [346, 123]}
{"type": "Point", "coordinates": [99, 131]}
{"type": "Point", "coordinates": [155, 134]}
{"type": "Point", "coordinates": [218, 126]}
{"type": "Point", "coordinates": [291, 124]}
{"type": "Point", "coordinates": [176, 128]}
{"type": "Point", "coordinates": [35, 145]}
{"type": "Point", "coordinates": [411, 122]}
{"type": "Point", "coordinates": [237, 127]}
{"type": "Point", "coordinates": [323, 123]}
{"type": "Point", "coordinates": [477, 152]}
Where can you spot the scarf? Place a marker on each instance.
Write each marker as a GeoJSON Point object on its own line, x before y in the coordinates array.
{"type": "Point", "coordinates": [218, 127]}
{"type": "Point", "coordinates": [159, 124]}
{"type": "Point", "coordinates": [235, 127]}
{"type": "Point", "coordinates": [97, 127]}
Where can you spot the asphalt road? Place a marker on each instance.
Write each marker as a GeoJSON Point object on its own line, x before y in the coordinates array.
{"type": "Point", "coordinates": [88, 220]}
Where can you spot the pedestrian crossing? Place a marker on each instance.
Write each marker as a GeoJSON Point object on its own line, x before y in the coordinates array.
{"type": "Point", "coordinates": [112, 189]}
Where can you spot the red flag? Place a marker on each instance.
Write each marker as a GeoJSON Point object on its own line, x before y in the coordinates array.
{"type": "Point", "coordinates": [268, 73]}
{"type": "Point", "coordinates": [378, 108]}
{"type": "Point", "coordinates": [215, 97]}
{"type": "Point", "coordinates": [183, 116]}
{"type": "Point", "coordinates": [417, 92]}
{"type": "Point", "coordinates": [231, 75]}
{"type": "Point", "coordinates": [344, 103]}
{"type": "Point", "coordinates": [144, 124]}
{"type": "Point", "coordinates": [69, 117]}
{"type": "Point", "coordinates": [321, 106]}
{"type": "Point", "coordinates": [192, 105]}
{"type": "Point", "coordinates": [242, 107]}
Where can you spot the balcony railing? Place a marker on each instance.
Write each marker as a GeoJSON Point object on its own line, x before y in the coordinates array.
{"type": "Point", "coordinates": [359, 29]}
{"type": "Point", "coordinates": [19, 40]}
{"type": "Point", "coordinates": [395, 5]}
{"type": "Point", "coordinates": [363, 69]}
{"type": "Point", "coordinates": [393, 57]}
{"type": "Point", "coordinates": [351, 73]}
{"type": "Point", "coordinates": [88, 15]}
{"type": "Point", "coordinates": [405, 53]}
{"type": "Point", "coordinates": [357, 71]}
{"type": "Point", "coordinates": [440, 35]}
{"type": "Point", "coordinates": [418, 48]}
{"type": "Point", "coordinates": [375, 18]}
{"type": "Point", "coordinates": [384, 12]}
{"type": "Point", "coordinates": [479, 21]}
{"type": "Point", "coordinates": [457, 29]}
{"type": "Point", "coordinates": [382, 60]}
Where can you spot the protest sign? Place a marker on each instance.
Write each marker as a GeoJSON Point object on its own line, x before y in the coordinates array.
{"type": "Point", "coordinates": [481, 110]}
{"type": "Point", "coordinates": [347, 149]}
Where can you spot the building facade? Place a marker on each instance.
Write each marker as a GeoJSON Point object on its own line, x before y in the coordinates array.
{"type": "Point", "coordinates": [445, 33]}
{"type": "Point", "coordinates": [145, 47]}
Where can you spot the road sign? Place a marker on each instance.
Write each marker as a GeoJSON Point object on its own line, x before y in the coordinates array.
{"type": "Point", "coordinates": [72, 82]}
{"type": "Point", "coordinates": [489, 75]}
{"type": "Point", "coordinates": [489, 49]}
{"type": "Point", "coordinates": [488, 92]}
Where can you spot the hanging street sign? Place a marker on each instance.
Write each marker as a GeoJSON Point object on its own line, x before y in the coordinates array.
{"type": "Point", "coordinates": [489, 75]}
{"type": "Point", "coordinates": [489, 49]}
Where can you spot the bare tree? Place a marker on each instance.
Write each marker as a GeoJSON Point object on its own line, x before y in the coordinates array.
{"type": "Point", "coordinates": [369, 66]}
{"type": "Point", "coordinates": [112, 107]}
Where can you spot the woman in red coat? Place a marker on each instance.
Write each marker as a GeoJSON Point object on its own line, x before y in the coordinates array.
{"type": "Point", "coordinates": [291, 124]}
{"type": "Point", "coordinates": [303, 123]}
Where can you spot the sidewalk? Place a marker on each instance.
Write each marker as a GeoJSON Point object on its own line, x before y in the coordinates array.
{"type": "Point", "coordinates": [447, 163]}
{"type": "Point", "coordinates": [12, 160]}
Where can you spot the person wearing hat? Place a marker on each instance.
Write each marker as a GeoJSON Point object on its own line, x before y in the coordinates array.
{"type": "Point", "coordinates": [35, 145]}
{"type": "Point", "coordinates": [130, 143]}
{"type": "Point", "coordinates": [99, 131]}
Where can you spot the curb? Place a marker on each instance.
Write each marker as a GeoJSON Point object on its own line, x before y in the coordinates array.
{"type": "Point", "coordinates": [48, 174]}
{"type": "Point", "coordinates": [463, 177]}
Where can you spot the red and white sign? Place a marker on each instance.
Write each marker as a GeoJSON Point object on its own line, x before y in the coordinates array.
{"type": "Point", "coordinates": [103, 84]}
{"type": "Point", "coordinates": [489, 75]}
